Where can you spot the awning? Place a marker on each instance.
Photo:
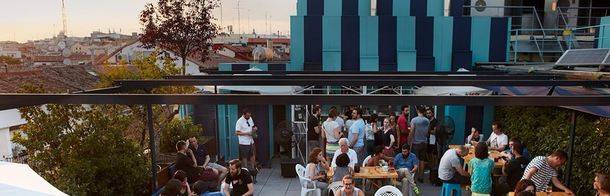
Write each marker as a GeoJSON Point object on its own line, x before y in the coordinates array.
{"type": "Point", "coordinates": [603, 111]}
{"type": "Point", "coordinates": [20, 179]}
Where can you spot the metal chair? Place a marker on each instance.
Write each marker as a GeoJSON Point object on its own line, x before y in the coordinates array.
{"type": "Point", "coordinates": [306, 182]}
{"type": "Point", "coordinates": [388, 191]}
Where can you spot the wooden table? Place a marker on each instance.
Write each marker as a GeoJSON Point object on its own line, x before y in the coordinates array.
{"type": "Point", "coordinates": [544, 194]}
{"type": "Point", "coordinates": [492, 155]}
{"type": "Point", "coordinates": [372, 173]}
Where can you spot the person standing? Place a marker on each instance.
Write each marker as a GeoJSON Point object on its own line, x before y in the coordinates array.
{"type": "Point", "coordinates": [371, 134]}
{"type": "Point", "coordinates": [497, 140]}
{"type": "Point", "coordinates": [403, 126]}
{"type": "Point", "coordinates": [340, 121]}
{"type": "Point", "coordinates": [332, 132]}
{"type": "Point", "coordinates": [356, 134]}
{"type": "Point", "coordinates": [601, 184]}
{"type": "Point", "coordinates": [480, 169]}
{"type": "Point", "coordinates": [388, 138]}
{"type": "Point", "coordinates": [244, 129]}
{"type": "Point", "coordinates": [419, 140]}
{"type": "Point", "coordinates": [314, 129]}
{"type": "Point", "coordinates": [543, 170]}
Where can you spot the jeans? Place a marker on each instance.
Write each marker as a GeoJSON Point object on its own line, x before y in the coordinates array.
{"type": "Point", "coordinates": [311, 144]}
{"type": "Point", "coordinates": [361, 154]}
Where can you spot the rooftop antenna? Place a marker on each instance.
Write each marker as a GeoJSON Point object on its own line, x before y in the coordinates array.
{"type": "Point", "coordinates": [221, 27]}
{"type": "Point", "coordinates": [248, 12]}
{"type": "Point", "coordinates": [238, 18]}
{"type": "Point", "coordinates": [64, 18]}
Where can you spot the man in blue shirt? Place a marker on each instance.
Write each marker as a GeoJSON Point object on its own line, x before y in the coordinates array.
{"type": "Point", "coordinates": [356, 134]}
{"type": "Point", "coordinates": [406, 164]}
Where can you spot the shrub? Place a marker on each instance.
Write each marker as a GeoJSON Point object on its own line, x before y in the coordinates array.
{"type": "Point", "coordinates": [178, 129]}
{"type": "Point", "coordinates": [544, 129]}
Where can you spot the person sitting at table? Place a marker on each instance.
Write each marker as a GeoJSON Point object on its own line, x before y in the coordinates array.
{"type": "Point", "coordinates": [344, 148]}
{"type": "Point", "coordinates": [542, 169]}
{"type": "Point", "coordinates": [475, 137]}
{"type": "Point", "coordinates": [377, 157]}
{"type": "Point", "coordinates": [525, 186]}
{"type": "Point", "coordinates": [315, 169]}
{"type": "Point", "coordinates": [174, 187]}
{"type": "Point", "coordinates": [497, 140]}
{"type": "Point", "coordinates": [601, 184]}
{"type": "Point", "coordinates": [342, 168]}
{"type": "Point", "coordinates": [185, 189]}
{"type": "Point", "coordinates": [406, 164]}
{"type": "Point", "coordinates": [480, 169]}
{"type": "Point", "coordinates": [509, 152]}
{"type": "Point", "coordinates": [349, 188]}
{"type": "Point", "coordinates": [450, 169]}
{"type": "Point", "coordinates": [514, 168]}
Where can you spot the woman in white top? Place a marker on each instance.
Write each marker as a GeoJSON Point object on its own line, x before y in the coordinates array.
{"type": "Point", "coordinates": [332, 132]}
{"type": "Point", "coordinates": [316, 167]}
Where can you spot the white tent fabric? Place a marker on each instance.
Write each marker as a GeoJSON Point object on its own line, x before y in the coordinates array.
{"type": "Point", "coordinates": [451, 90]}
{"type": "Point", "coordinates": [256, 89]}
{"type": "Point", "coordinates": [20, 179]}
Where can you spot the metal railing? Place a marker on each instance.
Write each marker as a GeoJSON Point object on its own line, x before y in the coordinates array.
{"type": "Point", "coordinates": [584, 16]}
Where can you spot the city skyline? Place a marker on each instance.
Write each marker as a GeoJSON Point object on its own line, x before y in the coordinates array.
{"type": "Point", "coordinates": [34, 19]}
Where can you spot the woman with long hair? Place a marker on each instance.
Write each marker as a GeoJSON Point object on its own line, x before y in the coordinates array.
{"type": "Point", "coordinates": [316, 166]}
{"type": "Point", "coordinates": [481, 168]}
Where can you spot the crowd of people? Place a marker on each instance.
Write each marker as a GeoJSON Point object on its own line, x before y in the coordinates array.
{"type": "Point", "coordinates": [409, 145]}
{"type": "Point", "coordinates": [414, 145]}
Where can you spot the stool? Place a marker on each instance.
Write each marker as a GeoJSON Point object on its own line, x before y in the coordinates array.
{"type": "Point", "coordinates": [449, 189]}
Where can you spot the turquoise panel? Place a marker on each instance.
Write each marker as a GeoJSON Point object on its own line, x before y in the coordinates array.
{"type": "Point", "coordinates": [510, 25]}
{"type": "Point", "coordinates": [261, 66]}
{"type": "Point", "coordinates": [369, 43]}
{"type": "Point", "coordinates": [488, 118]}
{"type": "Point", "coordinates": [222, 129]}
{"type": "Point", "coordinates": [297, 44]}
{"type": "Point", "coordinates": [481, 29]}
{"type": "Point", "coordinates": [232, 115]}
{"type": "Point", "coordinates": [333, 7]}
{"type": "Point", "coordinates": [301, 7]}
{"type": "Point", "coordinates": [225, 67]}
{"type": "Point", "coordinates": [406, 55]}
{"type": "Point", "coordinates": [443, 43]}
{"type": "Point", "coordinates": [458, 113]}
{"type": "Point", "coordinates": [364, 7]}
{"type": "Point", "coordinates": [436, 8]}
{"type": "Point", "coordinates": [401, 7]}
{"type": "Point", "coordinates": [331, 43]}
{"type": "Point", "coordinates": [271, 132]}
{"type": "Point", "coordinates": [604, 33]}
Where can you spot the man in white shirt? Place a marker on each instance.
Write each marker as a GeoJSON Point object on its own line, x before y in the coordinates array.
{"type": "Point", "coordinates": [497, 140]}
{"type": "Point", "coordinates": [243, 130]}
{"type": "Point", "coordinates": [344, 148]}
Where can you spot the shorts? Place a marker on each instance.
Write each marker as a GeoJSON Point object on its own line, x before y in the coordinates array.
{"type": "Point", "coordinates": [420, 150]}
{"type": "Point", "coordinates": [216, 166]}
{"type": "Point", "coordinates": [245, 151]}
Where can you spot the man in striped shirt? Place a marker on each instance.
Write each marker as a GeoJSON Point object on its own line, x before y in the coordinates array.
{"type": "Point", "coordinates": [542, 170]}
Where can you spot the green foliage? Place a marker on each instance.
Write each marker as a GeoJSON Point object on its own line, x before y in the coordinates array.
{"type": "Point", "coordinates": [82, 150]}
{"type": "Point", "coordinates": [9, 60]}
{"type": "Point", "coordinates": [176, 130]}
{"type": "Point", "coordinates": [545, 129]}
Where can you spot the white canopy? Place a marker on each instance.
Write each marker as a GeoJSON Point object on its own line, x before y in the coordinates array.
{"type": "Point", "coordinates": [451, 90]}
{"type": "Point", "coordinates": [255, 89]}
{"type": "Point", "coordinates": [20, 179]}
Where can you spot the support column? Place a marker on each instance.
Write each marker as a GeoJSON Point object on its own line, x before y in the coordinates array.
{"type": "Point", "coordinates": [152, 145]}
{"type": "Point", "coordinates": [571, 152]}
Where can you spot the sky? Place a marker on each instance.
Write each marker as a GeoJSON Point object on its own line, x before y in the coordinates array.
{"type": "Point", "coordinates": [23, 20]}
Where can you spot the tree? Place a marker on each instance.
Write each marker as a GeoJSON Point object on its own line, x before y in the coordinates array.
{"type": "Point", "coordinates": [181, 26]}
{"type": "Point", "coordinates": [99, 149]}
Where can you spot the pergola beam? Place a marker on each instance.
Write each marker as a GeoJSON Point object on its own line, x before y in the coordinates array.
{"type": "Point", "coordinates": [254, 99]}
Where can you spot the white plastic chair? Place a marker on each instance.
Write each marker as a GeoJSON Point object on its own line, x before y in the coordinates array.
{"type": "Point", "coordinates": [334, 187]}
{"type": "Point", "coordinates": [388, 191]}
{"type": "Point", "coordinates": [366, 160]}
{"type": "Point", "coordinates": [305, 182]}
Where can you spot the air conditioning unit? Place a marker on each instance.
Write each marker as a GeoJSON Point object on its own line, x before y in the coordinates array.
{"type": "Point", "coordinates": [487, 7]}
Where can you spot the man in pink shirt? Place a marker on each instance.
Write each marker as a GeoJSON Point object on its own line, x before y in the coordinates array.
{"type": "Point", "coordinates": [403, 125]}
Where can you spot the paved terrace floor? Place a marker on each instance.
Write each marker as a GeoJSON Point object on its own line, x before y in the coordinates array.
{"type": "Point", "coordinates": [271, 183]}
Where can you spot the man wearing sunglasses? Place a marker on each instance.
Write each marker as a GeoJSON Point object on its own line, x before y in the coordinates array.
{"type": "Point", "coordinates": [243, 129]}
